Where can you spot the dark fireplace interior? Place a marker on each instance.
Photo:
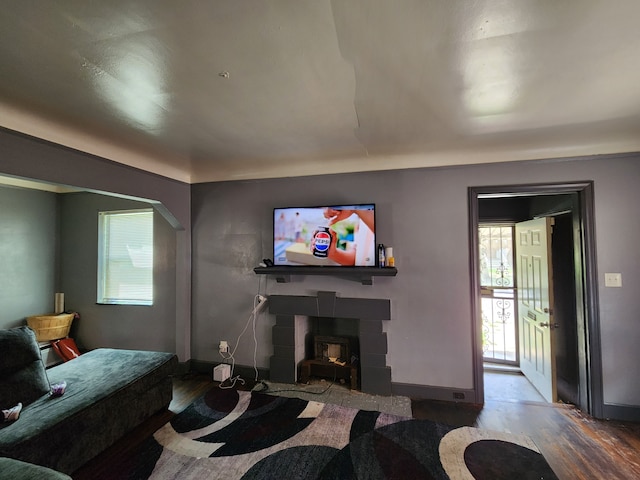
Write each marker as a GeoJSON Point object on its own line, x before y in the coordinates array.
{"type": "Point", "coordinates": [331, 351]}
{"type": "Point", "coordinates": [331, 334]}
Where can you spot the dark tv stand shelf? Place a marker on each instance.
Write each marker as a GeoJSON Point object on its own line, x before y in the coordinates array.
{"type": "Point", "coordinates": [363, 275]}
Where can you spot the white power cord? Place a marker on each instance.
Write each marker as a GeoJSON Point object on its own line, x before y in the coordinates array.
{"type": "Point", "coordinates": [259, 302]}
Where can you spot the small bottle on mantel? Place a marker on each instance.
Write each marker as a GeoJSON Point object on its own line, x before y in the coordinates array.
{"type": "Point", "coordinates": [388, 257]}
{"type": "Point", "coordinates": [381, 256]}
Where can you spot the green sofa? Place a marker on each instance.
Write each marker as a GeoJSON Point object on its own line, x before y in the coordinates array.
{"type": "Point", "coordinates": [11, 469]}
{"type": "Point", "coordinates": [109, 392]}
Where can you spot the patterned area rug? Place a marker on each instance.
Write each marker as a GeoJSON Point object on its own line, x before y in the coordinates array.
{"type": "Point", "coordinates": [231, 434]}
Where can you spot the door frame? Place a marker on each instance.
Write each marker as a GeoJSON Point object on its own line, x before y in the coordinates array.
{"type": "Point", "coordinates": [590, 353]}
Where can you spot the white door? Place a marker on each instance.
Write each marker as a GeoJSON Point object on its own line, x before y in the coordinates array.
{"type": "Point", "coordinates": [535, 305]}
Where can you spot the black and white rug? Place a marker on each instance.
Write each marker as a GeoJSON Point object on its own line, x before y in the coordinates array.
{"type": "Point", "coordinates": [231, 434]}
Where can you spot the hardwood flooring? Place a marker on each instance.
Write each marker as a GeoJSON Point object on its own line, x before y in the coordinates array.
{"type": "Point", "coordinates": [575, 445]}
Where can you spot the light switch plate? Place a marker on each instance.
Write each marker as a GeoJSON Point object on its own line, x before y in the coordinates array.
{"type": "Point", "coordinates": [612, 279]}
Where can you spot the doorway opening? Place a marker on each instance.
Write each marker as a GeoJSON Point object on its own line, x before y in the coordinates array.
{"type": "Point", "coordinates": [503, 379]}
{"type": "Point", "coordinates": [497, 295]}
{"type": "Point", "coordinates": [572, 256]}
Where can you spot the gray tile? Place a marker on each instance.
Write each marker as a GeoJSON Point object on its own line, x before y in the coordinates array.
{"type": "Point", "coordinates": [510, 387]}
{"type": "Point", "coordinates": [341, 395]}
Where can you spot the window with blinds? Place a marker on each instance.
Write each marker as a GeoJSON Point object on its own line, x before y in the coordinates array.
{"type": "Point", "coordinates": [125, 257]}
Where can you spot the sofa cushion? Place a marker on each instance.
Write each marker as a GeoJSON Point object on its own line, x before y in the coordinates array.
{"type": "Point", "coordinates": [109, 392]}
{"type": "Point", "coordinates": [91, 377]}
{"type": "Point", "coordinates": [22, 374]}
{"type": "Point", "coordinates": [15, 469]}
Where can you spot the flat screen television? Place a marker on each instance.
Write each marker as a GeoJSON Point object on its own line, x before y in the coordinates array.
{"type": "Point", "coordinates": [336, 236]}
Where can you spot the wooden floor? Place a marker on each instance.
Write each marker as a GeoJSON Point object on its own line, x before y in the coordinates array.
{"type": "Point", "coordinates": [575, 445]}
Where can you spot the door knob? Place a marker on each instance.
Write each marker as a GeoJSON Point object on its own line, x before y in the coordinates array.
{"type": "Point", "coordinates": [550, 325]}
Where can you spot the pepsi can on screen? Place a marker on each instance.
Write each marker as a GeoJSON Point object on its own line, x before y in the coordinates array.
{"type": "Point", "coordinates": [322, 242]}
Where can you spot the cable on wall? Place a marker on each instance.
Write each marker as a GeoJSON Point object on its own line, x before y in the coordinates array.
{"type": "Point", "coordinates": [258, 303]}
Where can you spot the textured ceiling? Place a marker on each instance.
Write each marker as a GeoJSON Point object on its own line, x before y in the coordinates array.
{"type": "Point", "coordinates": [233, 89]}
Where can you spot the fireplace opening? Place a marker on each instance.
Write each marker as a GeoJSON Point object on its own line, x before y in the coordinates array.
{"type": "Point", "coordinates": [332, 351]}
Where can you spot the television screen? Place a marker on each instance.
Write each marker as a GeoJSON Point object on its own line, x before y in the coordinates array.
{"type": "Point", "coordinates": [339, 235]}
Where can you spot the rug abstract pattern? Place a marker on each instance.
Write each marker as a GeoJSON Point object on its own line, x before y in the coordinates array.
{"type": "Point", "coordinates": [231, 434]}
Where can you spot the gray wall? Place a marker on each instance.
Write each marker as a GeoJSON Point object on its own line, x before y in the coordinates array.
{"type": "Point", "coordinates": [32, 158]}
{"type": "Point", "coordinates": [423, 214]}
{"type": "Point", "coordinates": [118, 326]}
{"type": "Point", "coordinates": [48, 244]}
{"type": "Point", "coordinates": [28, 260]}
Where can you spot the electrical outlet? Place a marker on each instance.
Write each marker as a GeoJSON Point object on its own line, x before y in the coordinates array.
{"type": "Point", "coordinates": [262, 301]}
{"type": "Point", "coordinates": [612, 279]}
{"type": "Point", "coordinates": [224, 346]}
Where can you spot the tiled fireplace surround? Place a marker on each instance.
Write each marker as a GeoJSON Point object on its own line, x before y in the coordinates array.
{"type": "Point", "coordinates": [292, 326]}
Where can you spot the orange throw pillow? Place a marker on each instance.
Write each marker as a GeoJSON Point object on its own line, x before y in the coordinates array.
{"type": "Point", "coordinates": [66, 349]}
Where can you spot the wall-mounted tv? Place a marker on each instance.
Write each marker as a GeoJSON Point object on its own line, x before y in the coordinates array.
{"type": "Point", "coordinates": [337, 235]}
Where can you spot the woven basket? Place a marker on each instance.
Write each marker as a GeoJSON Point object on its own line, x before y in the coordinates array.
{"type": "Point", "coordinates": [50, 327]}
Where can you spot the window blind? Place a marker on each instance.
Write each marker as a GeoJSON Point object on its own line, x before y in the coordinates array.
{"type": "Point", "coordinates": [125, 258]}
